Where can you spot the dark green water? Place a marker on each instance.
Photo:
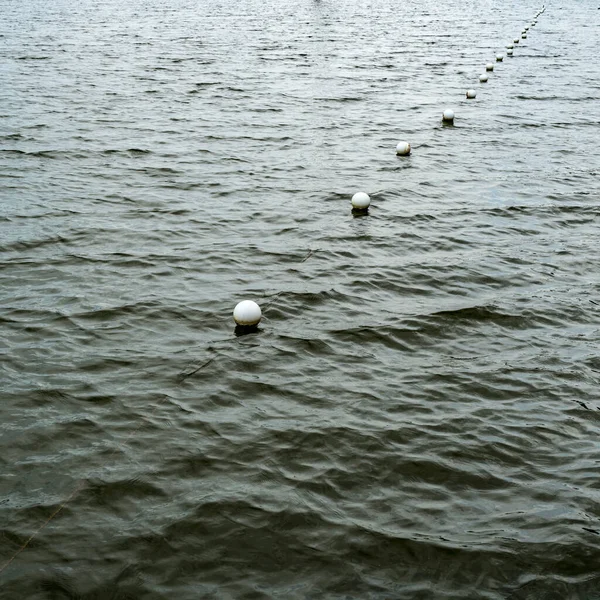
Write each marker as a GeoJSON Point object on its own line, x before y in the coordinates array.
{"type": "Point", "coordinates": [417, 416]}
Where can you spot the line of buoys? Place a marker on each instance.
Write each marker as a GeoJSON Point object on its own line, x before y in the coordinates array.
{"type": "Point", "coordinates": [247, 314]}
{"type": "Point", "coordinates": [484, 77]}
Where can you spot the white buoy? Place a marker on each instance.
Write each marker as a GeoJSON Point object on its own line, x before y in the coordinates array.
{"type": "Point", "coordinates": [516, 40]}
{"type": "Point", "coordinates": [524, 36]}
{"type": "Point", "coordinates": [361, 201]}
{"type": "Point", "coordinates": [509, 52]}
{"type": "Point", "coordinates": [499, 57]}
{"type": "Point", "coordinates": [448, 116]}
{"type": "Point", "coordinates": [403, 149]}
{"type": "Point", "coordinates": [489, 67]}
{"type": "Point", "coordinates": [471, 94]}
{"type": "Point", "coordinates": [483, 78]}
{"type": "Point", "coordinates": [247, 313]}
{"type": "Point", "coordinates": [509, 46]}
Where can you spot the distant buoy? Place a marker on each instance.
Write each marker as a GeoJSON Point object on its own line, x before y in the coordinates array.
{"type": "Point", "coordinates": [448, 116]}
{"type": "Point", "coordinates": [509, 53]}
{"type": "Point", "coordinates": [247, 313]}
{"type": "Point", "coordinates": [489, 67]}
{"type": "Point", "coordinates": [524, 36]}
{"type": "Point", "coordinates": [403, 149]}
{"type": "Point", "coordinates": [516, 40]}
{"type": "Point", "coordinates": [499, 57]}
{"type": "Point", "coordinates": [483, 78]}
{"type": "Point", "coordinates": [361, 201]}
{"type": "Point", "coordinates": [471, 94]}
{"type": "Point", "coordinates": [509, 46]}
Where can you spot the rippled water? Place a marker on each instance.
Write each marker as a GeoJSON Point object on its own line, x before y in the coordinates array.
{"type": "Point", "coordinates": [417, 416]}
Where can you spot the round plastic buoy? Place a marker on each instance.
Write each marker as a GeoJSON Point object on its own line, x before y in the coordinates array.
{"type": "Point", "coordinates": [361, 201]}
{"type": "Point", "coordinates": [489, 67]}
{"type": "Point", "coordinates": [509, 46]}
{"type": "Point", "coordinates": [483, 78]}
{"type": "Point", "coordinates": [509, 52]}
{"type": "Point", "coordinates": [471, 94]}
{"type": "Point", "coordinates": [403, 149]}
{"type": "Point", "coordinates": [524, 36]}
{"type": "Point", "coordinates": [500, 57]}
{"type": "Point", "coordinates": [247, 313]}
{"type": "Point", "coordinates": [516, 40]}
{"type": "Point", "coordinates": [448, 116]}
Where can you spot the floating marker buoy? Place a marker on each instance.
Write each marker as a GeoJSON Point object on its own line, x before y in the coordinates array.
{"type": "Point", "coordinates": [499, 57]}
{"type": "Point", "coordinates": [509, 46]}
{"type": "Point", "coordinates": [483, 78]}
{"type": "Point", "coordinates": [403, 149]}
{"type": "Point", "coordinates": [489, 67]}
{"type": "Point", "coordinates": [247, 314]}
{"type": "Point", "coordinates": [448, 116]}
{"type": "Point", "coordinates": [524, 36]}
{"type": "Point", "coordinates": [471, 94]}
{"type": "Point", "coordinates": [516, 40]}
{"type": "Point", "coordinates": [361, 201]}
{"type": "Point", "coordinates": [509, 52]}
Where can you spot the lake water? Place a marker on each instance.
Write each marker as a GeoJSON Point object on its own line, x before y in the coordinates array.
{"type": "Point", "coordinates": [418, 414]}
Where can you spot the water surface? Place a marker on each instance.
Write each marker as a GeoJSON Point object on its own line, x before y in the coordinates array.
{"type": "Point", "coordinates": [417, 416]}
